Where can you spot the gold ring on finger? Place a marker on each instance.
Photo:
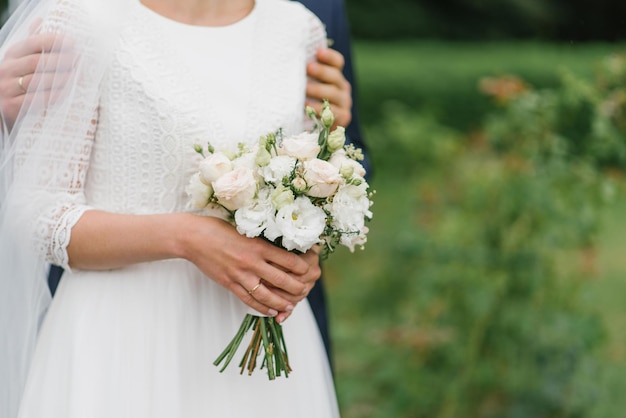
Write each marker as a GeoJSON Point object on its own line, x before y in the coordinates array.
{"type": "Point", "coordinates": [251, 291]}
{"type": "Point", "coordinates": [20, 83]}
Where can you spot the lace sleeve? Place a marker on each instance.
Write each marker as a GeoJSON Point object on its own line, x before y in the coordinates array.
{"type": "Point", "coordinates": [54, 139]}
{"type": "Point", "coordinates": [60, 201]}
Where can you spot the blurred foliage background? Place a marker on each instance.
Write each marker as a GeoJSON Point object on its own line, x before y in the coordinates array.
{"type": "Point", "coordinates": [492, 284]}
{"type": "Point", "coordinates": [566, 20]}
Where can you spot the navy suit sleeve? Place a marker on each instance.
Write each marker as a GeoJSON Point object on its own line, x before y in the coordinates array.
{"type": "Point", "coordinates": [333, 14]}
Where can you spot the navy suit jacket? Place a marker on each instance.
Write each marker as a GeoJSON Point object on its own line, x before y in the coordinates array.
{"type": "Point", "coordinates": [333, 14]}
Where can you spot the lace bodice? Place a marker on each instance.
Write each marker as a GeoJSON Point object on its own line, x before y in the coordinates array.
{"type": "Point", "coordinates": [155, 104]}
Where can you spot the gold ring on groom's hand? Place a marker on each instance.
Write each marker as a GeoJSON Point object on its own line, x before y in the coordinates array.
{"type": "Point", "coordinates": [20, 84]}
{"type": "Point", "coordinates": [251, 291]}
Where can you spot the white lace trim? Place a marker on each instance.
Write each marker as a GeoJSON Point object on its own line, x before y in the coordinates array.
{"type": "Point", "coordinates": [61, 235]}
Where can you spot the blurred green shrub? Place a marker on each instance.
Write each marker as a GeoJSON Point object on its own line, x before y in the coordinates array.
{"type": "Point", "coordinates": [479, 282]}
{"type": "Point", "coordinates": [488, 19]}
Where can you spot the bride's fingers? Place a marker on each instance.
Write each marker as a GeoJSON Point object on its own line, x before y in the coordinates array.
{"type": "Point", "coordinates": [294, 299]}
{"type": "Point", "coordinates": [246, 298]}
{"type": "Point", "coordinates": [260, 291]}
{"type": "Point", "coordinates": [277, 278]}
{"type": "Point", "coordinates": [257, 295]}
{"type": "Point", "coordinates": [282, 317]}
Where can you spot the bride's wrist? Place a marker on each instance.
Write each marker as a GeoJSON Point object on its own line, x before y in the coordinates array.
{"type": "Point", "coordinates": [187, 231]}
{"type": "Point", "coordinates": [181, 233]}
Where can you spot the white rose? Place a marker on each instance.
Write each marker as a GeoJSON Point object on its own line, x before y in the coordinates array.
{"type": "Point", "coordinates": [322, 178]}
{"type": "Point", "coordinates": [214, 166]}
{"type": "Point", "coordinates": [278, 168]}
{"type": "Point", "coordinates": [342, 162]}
{"type": "Point", "coordinates": [199, 192]}
{"type": "Point", "coordinates": [235, 189]}
{"type": "Point", "coordinates": [301, 224]}
{"type": "Point", "coordinates": [251, 220]}
{"type": "Point", "coordinates": [303, 146]}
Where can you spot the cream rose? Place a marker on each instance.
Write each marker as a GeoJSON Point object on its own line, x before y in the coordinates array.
{"type": "Point", "coordinates": [236, 188]}
{"type": "Point", "coordinates": [214, 166]}
{"type": "Point", "coordinates": [303, 146]}
{"type": "Point", "coordinates": [322, 178]}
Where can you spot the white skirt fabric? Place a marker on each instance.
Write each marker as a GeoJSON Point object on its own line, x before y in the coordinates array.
{"type": "Point", "coordinates": [140, 343]}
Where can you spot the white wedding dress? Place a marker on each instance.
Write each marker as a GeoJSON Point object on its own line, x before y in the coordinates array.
{"type": "Point", "coordinates": [139, 342]}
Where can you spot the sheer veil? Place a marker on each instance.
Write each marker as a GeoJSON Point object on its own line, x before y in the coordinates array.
{"type": "Point", "coordinates": [42, 164]}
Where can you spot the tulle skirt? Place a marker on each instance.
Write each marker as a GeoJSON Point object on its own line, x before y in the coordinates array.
{"type": "Point", "coordinates": [140, 343]}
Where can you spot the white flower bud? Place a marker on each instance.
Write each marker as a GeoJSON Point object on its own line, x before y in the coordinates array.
{"type": "Point", "coordinates": [230, 154]}
{"type": "Point", "coordinates": [310, 112]}
{"type": "Point", "coordinates": [263, 157]}
{"type": "Point", "coordinates": [299, 185]}
{"type": "Point", "coordinates": [328, 118]}
{"type": "Point", "coordinates": [346, 171]}
{"type": "Point", "coordinates": [336, 139]}
{"type": "Point", "coordinates": [282, 196]}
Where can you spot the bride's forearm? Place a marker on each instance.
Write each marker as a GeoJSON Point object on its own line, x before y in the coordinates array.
{"type": "Point", "coordinates": [102, 240]}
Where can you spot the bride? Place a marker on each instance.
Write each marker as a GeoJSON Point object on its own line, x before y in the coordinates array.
{"type": "Point", "coordinates": [93, 179]}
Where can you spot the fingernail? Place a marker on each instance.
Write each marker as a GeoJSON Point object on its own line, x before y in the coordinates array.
{"type": "Point", "coordinates": [289, 308]}
{"type": "Point", "coordinates": [273, 312]}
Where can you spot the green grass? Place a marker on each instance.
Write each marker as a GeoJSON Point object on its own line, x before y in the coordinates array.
{"type": "Point", "coordinates": [606, 294]}
{"type": "Point", "coordinates": [441, 79]}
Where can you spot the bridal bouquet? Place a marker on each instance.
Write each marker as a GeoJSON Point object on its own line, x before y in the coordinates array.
{"type": "Point", "coordinates": [297, 192]}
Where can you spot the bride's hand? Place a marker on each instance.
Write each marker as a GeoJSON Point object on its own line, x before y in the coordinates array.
{"type": "Point", "coordinates": [266, 278]}
{"type": "Point", "coordinates": [308, 279]}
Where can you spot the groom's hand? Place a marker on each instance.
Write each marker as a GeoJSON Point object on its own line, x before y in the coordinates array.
{"type": "Point", "coordinates": [326, 81]}
{"type": "Point", "coordinates": [21, 67]}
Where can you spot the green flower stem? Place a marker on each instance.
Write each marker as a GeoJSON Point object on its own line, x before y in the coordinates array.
{"type": "Point", "coordinates": [269, 350]}
{"type": "Point", "coordinates": [231, 349]}
{"type": "Point", "coordinates": [280, 352]}
{"type": "Point", "coordinates": [251, 350]}
{"type": "Point", "coordinates": [267, 332]}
